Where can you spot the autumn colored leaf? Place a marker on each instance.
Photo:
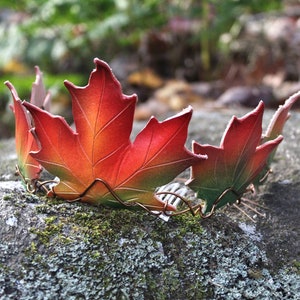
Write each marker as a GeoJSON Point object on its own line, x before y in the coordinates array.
{"type": "Point", "coordinates": [28, 167]}
{"type": "Point", "coordinates": [230, 168]}
{"type": "Point", "coordinates": [278, 120]}
{"type": "Point", "coordinates": [98, 158]}
{"type": "Point", "coordinates": [275, 129]}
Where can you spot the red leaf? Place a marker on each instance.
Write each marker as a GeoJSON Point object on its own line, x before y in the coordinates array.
{"type": "Point", "coordinates": [230, 168]}
{"type": "Point", "coordinates": [28, 167]}
{"type": "Point", "coordinates": [100, 152]}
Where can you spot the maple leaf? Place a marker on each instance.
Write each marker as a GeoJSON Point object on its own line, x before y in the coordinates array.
{"type": "Point", "coordinates": [27, 166]}
{"type": "Point", "coordinates": [39, 96]}
{"type": "Point", "coordinates": [98, 159]}
{"type": "Point", "coordinates": [230, 168]}
{"type": "Point", "coordinates": [275, 129]}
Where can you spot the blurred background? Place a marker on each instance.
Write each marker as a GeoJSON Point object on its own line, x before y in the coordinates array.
{"type": "Point", "coordinates": [172, 53]}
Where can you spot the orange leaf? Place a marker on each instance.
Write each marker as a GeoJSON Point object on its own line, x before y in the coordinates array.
{"type": "Point", "coordinates": [98, 159]}
{"type": "Point", "coordinates": [28, 167]}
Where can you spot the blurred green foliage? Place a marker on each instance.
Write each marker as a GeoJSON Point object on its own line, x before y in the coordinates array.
{"type": "Point", "coordinates": [64, 35]}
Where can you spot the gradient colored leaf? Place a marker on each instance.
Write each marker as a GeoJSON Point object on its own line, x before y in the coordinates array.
{"type": "Point", "coordinates": [99, 152]}
{"type": "Point", "coordinates": [230, 168]}
{"type": "Point", "coordinates": [275, 129]}
{"type": "Point", "coordinates": [28, 167]}
{"type": "Point", "coordinates": [278, 120]}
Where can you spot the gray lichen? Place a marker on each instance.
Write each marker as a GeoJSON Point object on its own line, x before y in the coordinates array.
{"type": "Point", "coordinates": [74, 251]}
{"type": "Point", "coordinates": [51, 249]}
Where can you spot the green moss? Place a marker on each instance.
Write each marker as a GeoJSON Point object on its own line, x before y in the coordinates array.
{"type": "Point", "coordinates": [116, 244]}
{"type": "Point", "coordinates": [42, 208]}
{"type": "Point", "coordinates": [7, 197]}
{"type": "Point", "coordinates": [189, 223]}
{"type": "Point", "coordinates": [50, 206]}
{"type": "Point", "coordinates": [50, 220]}
{"type": "Point", "coordinates": [33, 247]}
{"type": "Point", "coordinates": [93, 229]}
{"type": "Point", "coordinates": [31, 198]}
{"type": "Point", "coordinates": [95, 254]}
{"type": "Point", "coordinates": [98, 222]}
{"type": "Point", "coordinates": [51, 231]}
{"type": "Point", "coordinates": [169, 283]}
{"type": "Point", "coordinates": [296, 265]}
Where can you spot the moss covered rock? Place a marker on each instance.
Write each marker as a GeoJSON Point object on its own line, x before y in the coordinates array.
{"type": "Point", "coordinates": [52, 249]}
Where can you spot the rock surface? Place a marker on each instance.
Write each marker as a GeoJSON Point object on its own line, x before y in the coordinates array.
{"type": "Point", "coordinates": [51, 249]}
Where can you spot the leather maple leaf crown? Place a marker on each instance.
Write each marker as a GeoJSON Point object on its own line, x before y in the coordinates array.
{"type": "Point", "coordinates": [97, 162]}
